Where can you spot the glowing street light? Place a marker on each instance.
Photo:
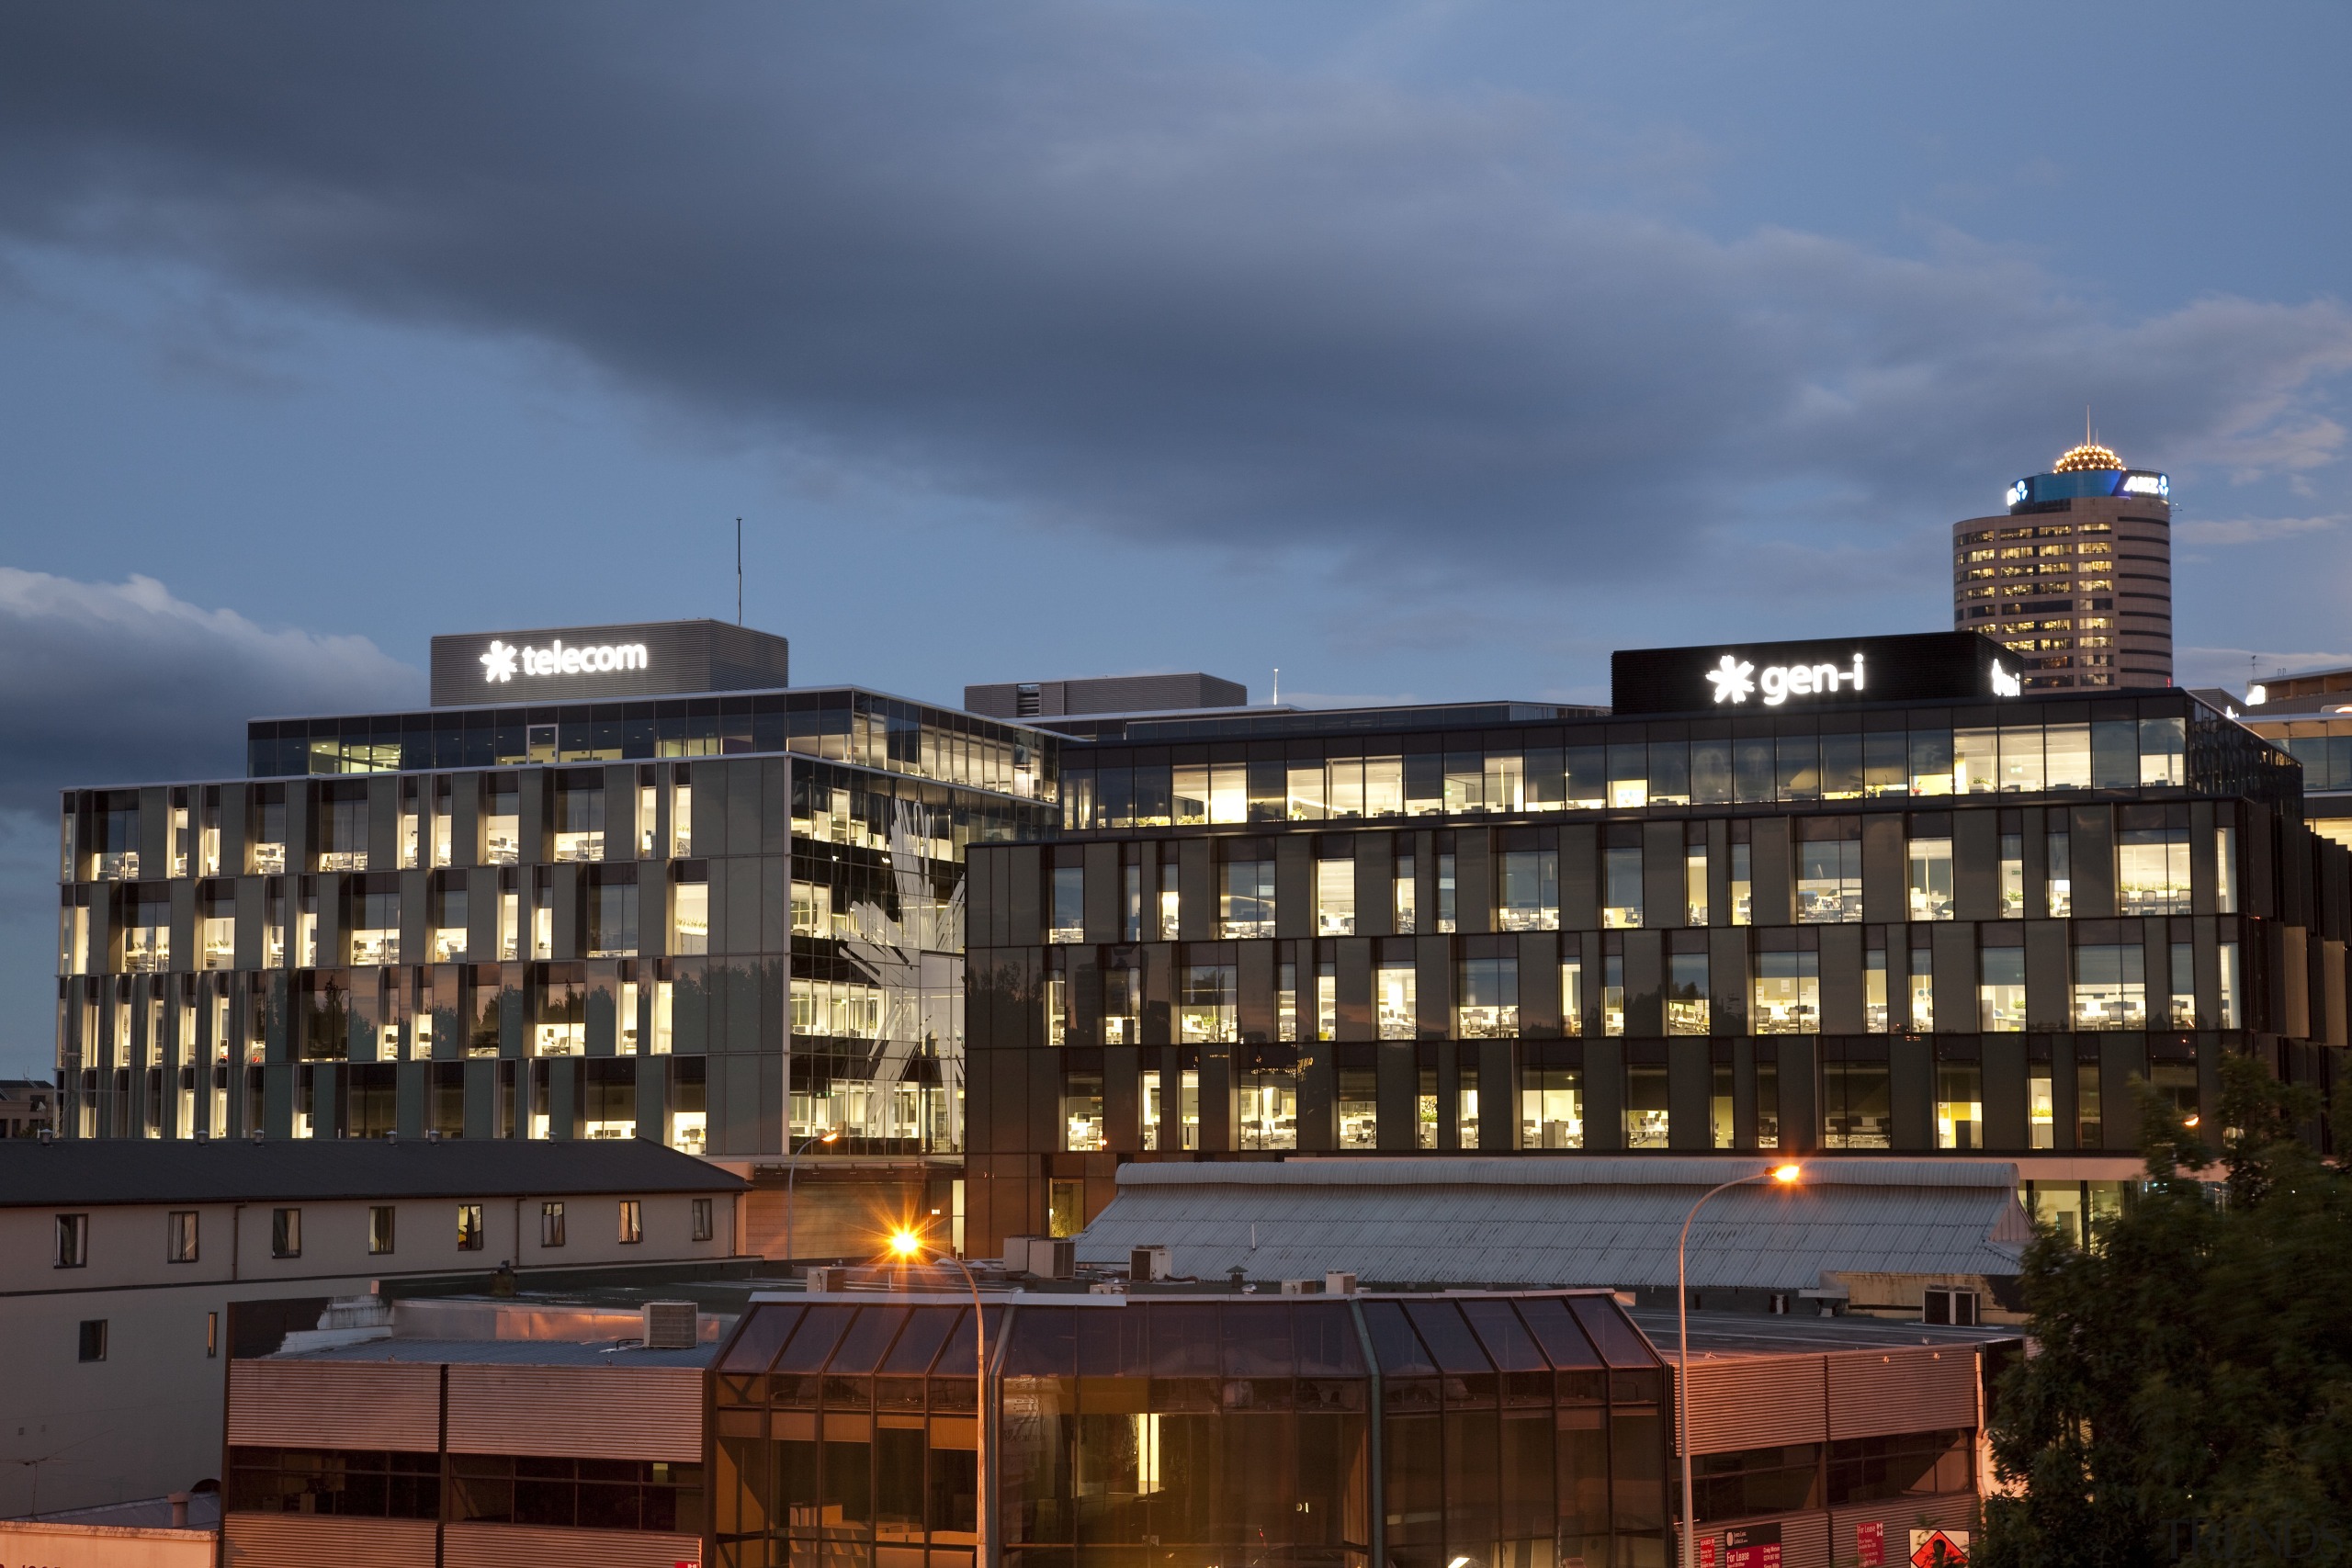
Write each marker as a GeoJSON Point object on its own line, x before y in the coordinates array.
{"type": "Point", "coordinates": [907, 1245]}
{"type": "Point", "coordinates": [791, 1170]}
{"type": "Point", "coordinates": [1786, 1176]}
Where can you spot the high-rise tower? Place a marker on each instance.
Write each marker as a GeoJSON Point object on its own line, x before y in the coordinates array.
{"type": "Point", "coordinates": [2076, 576]}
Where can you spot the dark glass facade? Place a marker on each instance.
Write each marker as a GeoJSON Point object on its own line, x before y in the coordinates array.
{"type": "Point", "coordinates": [584, 919]}
{"type": "Point", "coordinates": [1954, 927]}
{"type": "Point", "coordinates": [1504, 1429]}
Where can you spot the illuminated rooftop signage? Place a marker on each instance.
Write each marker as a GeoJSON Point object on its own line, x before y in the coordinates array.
{"type": "Point", "coordinates": [645, 659]}
{"type": "Point", "coordinates": [2138, 483]}
{"type": "Point", "coordinates": [1785, 676]}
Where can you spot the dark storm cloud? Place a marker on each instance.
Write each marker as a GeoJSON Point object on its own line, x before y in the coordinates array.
{"type": "Point", "coordinates": [1067, 260]}
{"type": "Point", "coordinates": [124, 683]}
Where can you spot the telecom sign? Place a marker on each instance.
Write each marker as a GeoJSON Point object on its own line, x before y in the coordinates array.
{"type": "Point", "coordinates": [640, 659]}
{"type": "Point", "coordinates": [1787, 676]}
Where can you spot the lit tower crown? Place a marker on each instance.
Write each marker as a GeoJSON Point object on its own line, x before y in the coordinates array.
{"type": "Point", "coordinates": [2085, 459]}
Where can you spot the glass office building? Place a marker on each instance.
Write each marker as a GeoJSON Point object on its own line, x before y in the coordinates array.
{"type": "Point", "coordinates": [1937, 914]}
{"type": "Point", "coordinates": [566, 917]}
{"type": "Point", "coordinates": [2075, 578]}
{"type": "Point", "coordinates": [1322, 1432]}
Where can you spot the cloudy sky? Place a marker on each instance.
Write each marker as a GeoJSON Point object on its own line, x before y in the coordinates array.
{"type": "Point", "coordinates": [1421, 350]}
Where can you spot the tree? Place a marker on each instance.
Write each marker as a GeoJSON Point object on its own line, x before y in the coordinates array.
{"type": "Point", "coordinates": [2190, 1396]}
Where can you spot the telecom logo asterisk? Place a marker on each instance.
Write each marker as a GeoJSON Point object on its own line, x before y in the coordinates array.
{"type": "Point", "coordinates": [1731, 684]}
{"type": "Point", "coordinates": [499, 661]}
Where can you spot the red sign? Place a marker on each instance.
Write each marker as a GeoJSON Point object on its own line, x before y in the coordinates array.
{"type": "Point", "coordinates": [1752, 1545]}
{"type": "Point", "coordinates": [1939, 1548]}
{"type": "Point", "coordinates": [1707, 1551]}
{"type": "Point", "coordinates": [1870, 1544]}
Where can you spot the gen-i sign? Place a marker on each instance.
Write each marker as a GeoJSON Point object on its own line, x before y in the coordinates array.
{"type": "Point", "coordinates": [1781, 682]}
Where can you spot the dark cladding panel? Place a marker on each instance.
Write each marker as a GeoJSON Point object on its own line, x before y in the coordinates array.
{"type": "Point", "coordinates": [1792, 677]}
{"type": "Point", "coordinates": [640, 659]}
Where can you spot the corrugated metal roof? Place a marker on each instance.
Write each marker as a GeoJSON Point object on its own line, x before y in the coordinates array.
{"type": "Point", "coordinates": [85, 1173]}
{"type": "Point", "coordinates": [1591, 1220]}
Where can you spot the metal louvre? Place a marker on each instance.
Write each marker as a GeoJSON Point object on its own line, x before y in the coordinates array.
{"type": "Point", "coordinates": [527, 1546]}
{"type": "Point", "coordinates": [571, 1412]}
{"type": "Point", "coordinates": [318, 1541]}
{"type": "Point", "coordinates": [1875, 1394]}
{"type": "Point", "coordinates": [359, 1405]}
{"type": "Point", "coordinates": [1756, 1402]}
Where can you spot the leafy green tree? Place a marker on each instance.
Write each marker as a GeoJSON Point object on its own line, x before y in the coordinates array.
{"type": "Point", "coordinates": [2190, 1399]}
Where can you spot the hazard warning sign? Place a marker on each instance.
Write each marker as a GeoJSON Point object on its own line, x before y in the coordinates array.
{"type": "Point", "coordinates": [1939, 1549]}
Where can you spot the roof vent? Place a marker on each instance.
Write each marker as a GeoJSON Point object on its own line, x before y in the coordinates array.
{"type": "Point", "coordinates": [670, 1325]}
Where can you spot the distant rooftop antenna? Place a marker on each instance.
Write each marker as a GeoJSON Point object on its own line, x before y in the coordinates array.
{"type": "Point", "coordinates": [738, 571]}
{"type": "Point", "coordinates": [1276, 700]}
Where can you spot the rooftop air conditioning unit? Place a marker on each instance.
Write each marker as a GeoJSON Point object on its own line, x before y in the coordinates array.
{"type": "Point", "coordinates": [1298, 1287]}
{"type": "Point", "coordinates": [829, 1277]}
{"type": "Point", "coordinates": [1149, 1263]}
{"type": "Point", "coordinates": [1337, 1284]}
{"type": "Point", "coordinates": [670, 1325]}
{"type": "Point", "coordinates": [1053, 1259]}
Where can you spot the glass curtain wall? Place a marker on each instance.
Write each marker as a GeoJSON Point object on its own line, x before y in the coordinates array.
{"type": "Point", "coordinates": [1513, 1430]}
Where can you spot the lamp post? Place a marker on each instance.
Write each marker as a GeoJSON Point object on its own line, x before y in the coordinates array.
{"type": "Point", "coordinates": [1786, 1174]}
{"type": "Point", "coordinates": [907, 1244]}
{"type": "Point", "coordinates": [791, 1170]}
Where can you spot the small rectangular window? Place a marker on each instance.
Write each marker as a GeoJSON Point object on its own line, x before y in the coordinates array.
{"type": "Point", "coordinates": [94, 1340]}
{"type": "Point", "coordinates": [286, 1233]}
{"type": "Point", "coordinates": [213, 1334]}
{"type": "Point", "coordinates": [380, 1229]}
{"type": "Point", "coordinates": [180, 1227]}
{"type": "Point", "coordinates": [702, 1218]}
{"type": "Point", "coordinates": [72, 1241]}
{"type": "Point", "coordinates": [552, 1224]}
{"type": "Point", "coordinates": [632, 1229]}
{"type": "Point", "coordinates": [469, 1227]}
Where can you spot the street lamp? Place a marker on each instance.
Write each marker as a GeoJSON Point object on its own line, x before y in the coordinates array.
{"type": "Point", "coordinates": [792, 1170]}
{"type": "Point", "coordinates": [1786, 1174]}
{"type": "Point", "coordinates": [908, 1245]}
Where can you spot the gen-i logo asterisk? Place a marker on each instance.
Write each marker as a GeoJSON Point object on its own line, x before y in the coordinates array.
{"type": "Point", "coordinates": [499, 661]}
{"type": "Point", "coordinates": [1731, 684]}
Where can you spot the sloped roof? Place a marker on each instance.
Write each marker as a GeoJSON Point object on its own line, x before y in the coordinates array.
{"type": "Point", "coordinates": [1578, 1221]}
{"type": "Point", "coordinates": [90, 1172]}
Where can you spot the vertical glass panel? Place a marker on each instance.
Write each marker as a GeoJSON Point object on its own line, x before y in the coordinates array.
{"type": "Point", "coordinates": [1394, 995]}
{"type": "Point", "coordinates": [1551, 1108]}
{"type": "Point", "coordinates": [1629, 783]}
{"type": "Point", "coordinates": [1886, 769]}
{"type": "Point", "coordinates": [1841, 767]}
{"type": "Point", "coordinates": [1975, 762]}
{"type": "Point", "coordinates": [1587, 777]}
{"type": "Point", "coordinates": [1622, 891]}
{"type": "Point", "coordinates": [1797, 767]}
{"type": "Point", "coordinates": [1686, 993]}
{"type": "Point", "coordinates": [2161, 743]}
{"type": "Point", "coordinates": [1788, 993]}
{"type": "Point", "coordinates": [1710, 772]}
{"type": "Point", "coordinates": [2021, 758]}
{"type": "Point", "coordinates": [1645, 1106]}
{"type": "Point", "coordinates": [1383, 786]}
{"type": "Point", "coordinates": [2001, 989]}
{"type": "Point", "coordinates": [2066, 753]}
{"type": "Point", "coordinates": [1855, 1102]}
{"type": "Point", "coordinates": [2115, 753]}
{"type": "Point", "coordinates": [1307, 795]}
{"type": "Point", "coordinates": [1931, 761]}
{"type": "Point", "coordinates": [1930, 882]}
{"type": "Point", "coordinates": [1546, 778]}
{"type": "Point", "coordinates": [1669, 773]}
{"type": "Point", "coordinates": [1752, 771]}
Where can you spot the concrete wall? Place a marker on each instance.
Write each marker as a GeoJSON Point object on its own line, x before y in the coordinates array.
{"type": "Point", "coordinates": [102, 1546]}
{"type": "Point", "coordinates": [146, 1420]}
